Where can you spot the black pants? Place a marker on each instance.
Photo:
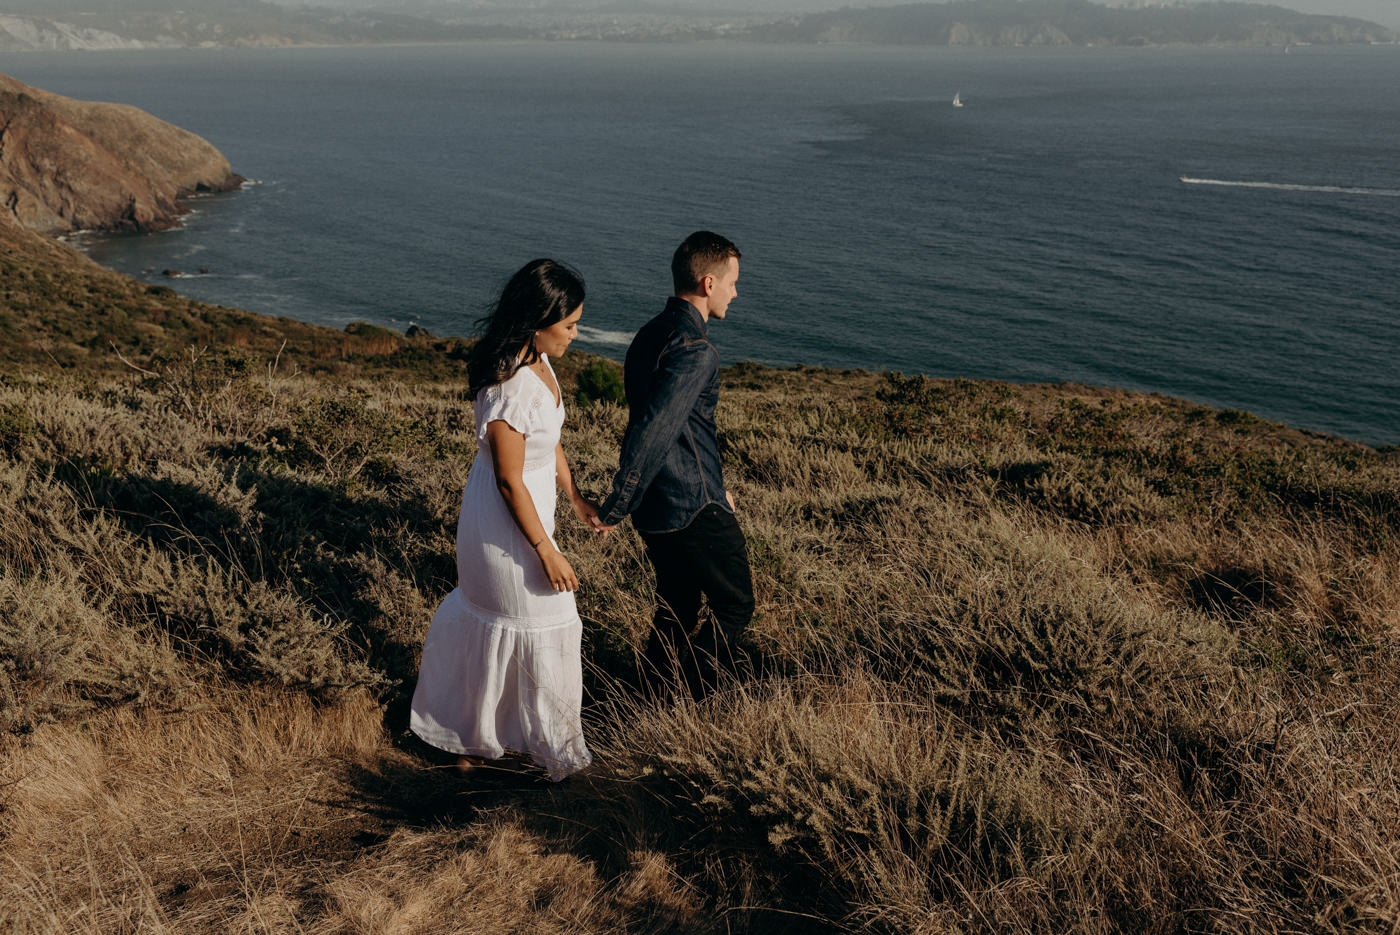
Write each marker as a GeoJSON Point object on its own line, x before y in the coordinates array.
{"type": "Point", "coordinates": [710, 558]}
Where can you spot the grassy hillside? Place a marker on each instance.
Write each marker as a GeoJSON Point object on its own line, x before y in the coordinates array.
{"type": "Point", "coordinates": [1042, 659]}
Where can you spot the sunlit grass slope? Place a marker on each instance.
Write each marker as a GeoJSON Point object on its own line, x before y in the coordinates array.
{"type": "Point", "coordinates": [1041, 659]}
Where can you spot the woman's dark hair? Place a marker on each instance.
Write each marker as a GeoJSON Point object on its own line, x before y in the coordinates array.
{"type": "Point", "coordinates": [542, 293]}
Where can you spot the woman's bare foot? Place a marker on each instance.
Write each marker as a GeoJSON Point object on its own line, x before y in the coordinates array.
{"type": "Point", "coordinates": [466, 763]}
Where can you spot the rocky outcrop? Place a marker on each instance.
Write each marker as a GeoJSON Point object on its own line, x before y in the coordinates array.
{"type": "Point", "coordinates": [69, 165]}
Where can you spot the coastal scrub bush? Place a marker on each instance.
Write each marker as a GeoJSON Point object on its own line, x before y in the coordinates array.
{"type": "Point", "coordinates": [347, 435]}
{"type": "Point", "coordinates": [958, 410]}
{"type": "Point", "coordinates": [61, 651]}
{"type": "Point", "coordinates": [16, 426]}
{"type": "Point", "coordinates": [363, 329]}
{"type": "Point", "coordinates": [213, 389]}
{"type": "Point", "coordinates": [1101, 428]}
{"type": "Point", "coordinates": [365, 338]}
{"type": "Point", "coordinates": [257, 631]}
{"type": "Point", "coordinates": [600, 381]}
{"type": "Point", "coordinates": [337, 436]}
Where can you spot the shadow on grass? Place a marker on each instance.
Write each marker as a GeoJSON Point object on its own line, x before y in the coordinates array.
{"type": "Point", "coordinates": [325, 545]}
{"type": "Point", "coordinates": [610, 822]}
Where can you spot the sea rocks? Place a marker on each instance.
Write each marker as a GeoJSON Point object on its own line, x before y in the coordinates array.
{"type": "Point", "coordinates": [68, 165]}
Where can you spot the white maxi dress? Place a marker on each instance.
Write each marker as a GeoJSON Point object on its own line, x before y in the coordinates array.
{"type": "Point", "coordinates": [501, 666]}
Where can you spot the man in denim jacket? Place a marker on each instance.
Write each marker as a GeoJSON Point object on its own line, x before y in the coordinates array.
{"type": "Point", "coordinates": [670, 480]}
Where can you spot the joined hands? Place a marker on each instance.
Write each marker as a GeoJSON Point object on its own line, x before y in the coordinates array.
{"type": "Point", "coordinates": [587, 511]}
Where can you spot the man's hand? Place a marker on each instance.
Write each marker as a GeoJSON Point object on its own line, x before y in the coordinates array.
{"type": "Point", "coordinates": [730, 497]}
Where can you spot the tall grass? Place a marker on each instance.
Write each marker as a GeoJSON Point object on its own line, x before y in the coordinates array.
{"type": "Point", "coordinates": [1036, 659]}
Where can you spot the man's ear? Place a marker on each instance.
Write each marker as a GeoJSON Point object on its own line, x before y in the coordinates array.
{"type": "Point", "coordinates": [707, 284]}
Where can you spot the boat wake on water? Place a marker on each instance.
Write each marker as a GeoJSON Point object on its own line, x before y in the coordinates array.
{"type": "Point", "coordinates": [1291, 187]}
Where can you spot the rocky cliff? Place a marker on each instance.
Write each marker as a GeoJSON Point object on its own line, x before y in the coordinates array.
{"type": "Point", "coordinates": [69, 165]}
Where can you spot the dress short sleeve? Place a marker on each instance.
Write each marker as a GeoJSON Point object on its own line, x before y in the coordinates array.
{"type": "Point", "coordinates": [507, 402]}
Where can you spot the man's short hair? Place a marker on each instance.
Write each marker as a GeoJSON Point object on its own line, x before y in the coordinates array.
{"type": "Point", "coordinates": [701, 254]}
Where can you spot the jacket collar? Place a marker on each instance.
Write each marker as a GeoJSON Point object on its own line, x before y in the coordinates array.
{"type": "Point", "coordinates": [680, 308]}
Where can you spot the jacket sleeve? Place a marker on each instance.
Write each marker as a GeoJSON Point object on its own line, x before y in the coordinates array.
{"type": "Point", "coordinates": [680, 377]}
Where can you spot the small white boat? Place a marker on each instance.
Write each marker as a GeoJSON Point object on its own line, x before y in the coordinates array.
{"type": "Point", "coordinates": [957, 99]}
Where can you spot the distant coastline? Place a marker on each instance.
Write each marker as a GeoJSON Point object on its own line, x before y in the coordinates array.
{"type": "Point", "coordinates": [975, 23]}
{"type": "Point", "coordinates": [1140, 287]}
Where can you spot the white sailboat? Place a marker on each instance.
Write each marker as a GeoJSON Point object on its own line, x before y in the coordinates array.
{"type": "Point", "coordinates": [957, 99]}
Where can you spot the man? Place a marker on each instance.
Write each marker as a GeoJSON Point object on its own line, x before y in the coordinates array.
{"type": "Point", "coordinates": [669, 478]}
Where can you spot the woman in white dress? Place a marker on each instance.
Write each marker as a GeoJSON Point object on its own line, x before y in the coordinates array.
{"type": "Point", "coordinates": [501, 668]}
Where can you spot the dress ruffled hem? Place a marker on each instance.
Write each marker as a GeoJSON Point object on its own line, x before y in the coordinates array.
{"type": "Point", "coordinates": [491, 682]}
{"type": "Point", "coordinates": [445, 740]}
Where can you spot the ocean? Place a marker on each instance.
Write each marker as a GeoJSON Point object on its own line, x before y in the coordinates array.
{"type": "Point", "coordinates": [1219, 224]}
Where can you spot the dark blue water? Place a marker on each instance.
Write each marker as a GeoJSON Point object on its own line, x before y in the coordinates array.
{"type": "Point", "coordinates": [1042, 232]}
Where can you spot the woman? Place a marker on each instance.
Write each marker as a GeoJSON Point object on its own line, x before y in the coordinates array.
{"type": "Point", "coordinates": [501, 667]}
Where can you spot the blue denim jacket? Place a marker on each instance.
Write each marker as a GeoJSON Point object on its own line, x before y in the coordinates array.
{"type": "Point", "coordinates": [669, 469]}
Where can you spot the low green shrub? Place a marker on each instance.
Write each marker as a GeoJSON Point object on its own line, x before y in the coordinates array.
{"type": "Point", "coordinates": [16, 426]}
{"type": "Point", "coordinates": [363, 329]}
{"type": "Point", "coordinates": [600, 381]}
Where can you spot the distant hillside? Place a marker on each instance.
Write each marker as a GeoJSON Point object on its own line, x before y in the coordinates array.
{"type": "Point", "coordinates": [1071, 22]}
{"type": "Point", "coordinates": [30, 26]}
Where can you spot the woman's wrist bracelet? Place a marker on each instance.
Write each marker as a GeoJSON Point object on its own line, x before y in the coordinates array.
{"type": "Point", "coordinates": [536, 545]}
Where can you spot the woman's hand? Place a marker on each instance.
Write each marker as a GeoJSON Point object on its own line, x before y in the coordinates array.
{"type": "Point", "coordinates": [557, 568]}
{"type": "Point", "coordinates": [587, 511]}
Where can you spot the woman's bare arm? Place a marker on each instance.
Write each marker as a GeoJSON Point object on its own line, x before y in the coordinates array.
{"type": "Point", "coordinates": [508, 459]}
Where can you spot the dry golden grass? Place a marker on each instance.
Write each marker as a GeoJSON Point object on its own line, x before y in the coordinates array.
{"type": "Point", "coordinates": [259, 811]}
{"type": "Point", "coordinates": [1038, 659]}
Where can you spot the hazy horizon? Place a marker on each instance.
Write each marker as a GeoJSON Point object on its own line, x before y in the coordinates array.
{"type": "Point", "coordinates": [1385, 12]}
